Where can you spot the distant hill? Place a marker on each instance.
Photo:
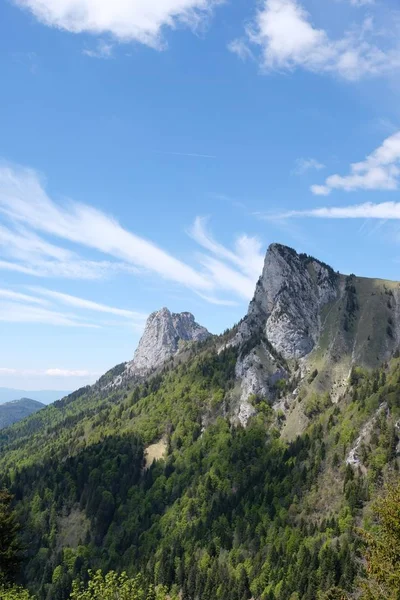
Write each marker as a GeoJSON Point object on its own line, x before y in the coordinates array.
{"type": "Point", "coordinates": [16, 410]}
{"type": "Point", "coordinates": [45, 396]}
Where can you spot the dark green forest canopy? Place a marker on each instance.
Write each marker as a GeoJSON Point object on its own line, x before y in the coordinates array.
{"type": "Point", "coordinates": [229, 513]}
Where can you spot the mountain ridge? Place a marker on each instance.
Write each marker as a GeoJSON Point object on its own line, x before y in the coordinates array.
{"type": "Point", "coordinates": [303, 317]}
{"type": "Point", "coordinates": [268, 462]}
{"type": "Point", "coordinates": [44, 396]}
{"type": "Point", "coordinates": [15, 410]}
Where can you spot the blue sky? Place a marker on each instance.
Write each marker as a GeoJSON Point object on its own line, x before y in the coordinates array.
{"type": "Point", "coordinates": [151, 150]}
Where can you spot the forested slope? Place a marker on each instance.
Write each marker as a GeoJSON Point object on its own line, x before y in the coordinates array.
{"type": "Point", "coordinates": [230, 512]}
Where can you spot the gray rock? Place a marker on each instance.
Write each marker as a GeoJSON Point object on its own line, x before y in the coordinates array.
{"type": "Point", "coordinates": [163, 337]}
{"type": "Point", "coordinates": [246, 411]}
{"type": "Point", "coordinates": [253, 382]}
{"type": "Point", "coordinates": [353, 458]}
{"type": "Point", "coordinates": [288, 299]}
{"type": "Point", "coordinates": [285, 311]}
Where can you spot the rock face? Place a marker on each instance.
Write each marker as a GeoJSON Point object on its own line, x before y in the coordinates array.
{"type": "Point", "coordinates": [283, 320]}
{"type": "Point", "coordinates": [288, 299]}
{"type": "Point", "coordinates": [162, 338]}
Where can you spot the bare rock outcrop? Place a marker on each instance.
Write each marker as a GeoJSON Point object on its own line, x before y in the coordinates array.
{"type": "Point", "coordinates": [162, 338]}
{"type": "Point", "coordinates": [283, 319]}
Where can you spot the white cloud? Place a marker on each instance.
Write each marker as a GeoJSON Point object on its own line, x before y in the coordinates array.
{"type": "Point", "coordinates": [67, 373]}
{"type": "Point", "coordinates": [367, 210]}
{"type": "Point", "coordinates": [23, 199]}
{"type": "Point", "coordinates": [320, 190]}
{"type": "Point", "coordinates": [241, 49]}
{"type": "Point", "coordinates": [15, 312]}
{"type": "Point", "coordinates": [74, 269]}
{"type": "Point", "coordinates": [90, 305]}
{"type": "Point", "coordinates": [6, 371]}
{"type": "Point", "coordinates": [25, 204]}
{"type": "Point", "coordinates": [217, 301]}
{"type": "Point", "coordinates": [379, 171]}
{"type": "Point", "coordinates": [23, 308]}
{"type": "Point", "coordinates": [11, 295]}
{"type": "Point", "coordinates": [43, 259]}
{"type": "Point", "coordinates": [307, 164]}
{"type": "Point", "coordinates": [48, 372]}
{"type": "Point", "coordinates": [285, 38]}
{"type": "Point", "coordinates": [125, 20]}
{"type": "Point", "coordinates": [228, 278]}
{"type": "Point", "coordinates": [362, 2]}
{"type": "Point", "coordinates": [10, 266]}
{"type": "Point", "coordinates": [102, 50]}
{"type": "Point", "coordinates": [248, 254]}
{"type": "Point", "coordinates": [21, 243]}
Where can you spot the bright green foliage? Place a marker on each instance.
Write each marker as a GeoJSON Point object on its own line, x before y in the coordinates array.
{"type": "Point", "coordinates": [383, 554]}
{"type": "Point", "coordinates": [13, 592]}
{"type": "Point", "coordinates": [117, 587]}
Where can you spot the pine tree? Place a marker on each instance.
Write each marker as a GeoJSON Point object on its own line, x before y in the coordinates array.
{"type": "Point", "coordinates": [10, 549]}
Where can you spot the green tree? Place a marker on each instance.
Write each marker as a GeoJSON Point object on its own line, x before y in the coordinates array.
{"type": "Point", "coordinates": [8, 592]}
{"type": "Point", "coordinates": [10, 548]}
{"type": "Point", "coordinates": [117, 587]}
{"type": "Point", "coordinates": [334, 593]}
{"type": "Point", "coordinates": [382, 581]}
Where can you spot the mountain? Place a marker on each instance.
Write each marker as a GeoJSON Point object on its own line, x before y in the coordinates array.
{"type": "Point", "coordinates": [235, 466]}
{"type": "Point", "coordinates": [163, 337]}
{"type": "Point", "coordinates": [166, 335]}
{"type": "Point", "coordinates": [45, 396]}
{"type": "Point", "coordinates": [16, 410]}
{"type": "Point", "coordinates": [306, 318]}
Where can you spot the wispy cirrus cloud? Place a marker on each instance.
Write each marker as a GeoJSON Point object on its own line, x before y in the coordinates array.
{"type": "Point", "coordinates": [17, 296]}
{"type": "Point", "coordinates": [16, 312]}
{"type": "Point", "coordinates": [24, 200]}
{"type": "Point", "coordinates": [303, 165]}
{"type": "Point", "coordinates": [247, 257]}
{"type": "Point", "coordinates": [101, 50]}
{"type": "Point", "coordinates": [127, 21]}
{"type": "Point", "coordinates": [30, 254]}
{"type": "Point", "coordinates": [366, 210]}
{"type": "Point", "coordinates": [47, 307]}
{"type": "Point", "coordinates": [32, 216]}
{"type": "Point", "coordinates": [282, 37]}
{"type": "Point", "coordinates": [90, 305]}
{"type": "Point", "coordinates": [217, 301]}
{"type": "Point", "coordinates": [362, 2]}
{"type": "Point", "coordinates": [379, 171]}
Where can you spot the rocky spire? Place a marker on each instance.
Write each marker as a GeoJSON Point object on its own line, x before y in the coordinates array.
{"type": "Point", "coordinates": [162, 338]}
{"type": "Point", "coordinates": [288, 298]}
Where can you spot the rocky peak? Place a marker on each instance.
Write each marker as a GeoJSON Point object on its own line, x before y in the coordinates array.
{"type": "Point", "coordinates": [283, 320]}
{"type": "Point", "coordinates": [162, 338]}
{"type": "Point", "coordinates": [288, 298]}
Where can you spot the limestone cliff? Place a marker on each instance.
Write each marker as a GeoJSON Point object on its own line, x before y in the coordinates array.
{"type": "Point", "coordinates": [288, 299]}
{"type": "Point", "coordinates": [309, 325]}
{"type": "Point", "coordinates": [283, 320]}
{"type": "Point", "coordinates": [162, 338]}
